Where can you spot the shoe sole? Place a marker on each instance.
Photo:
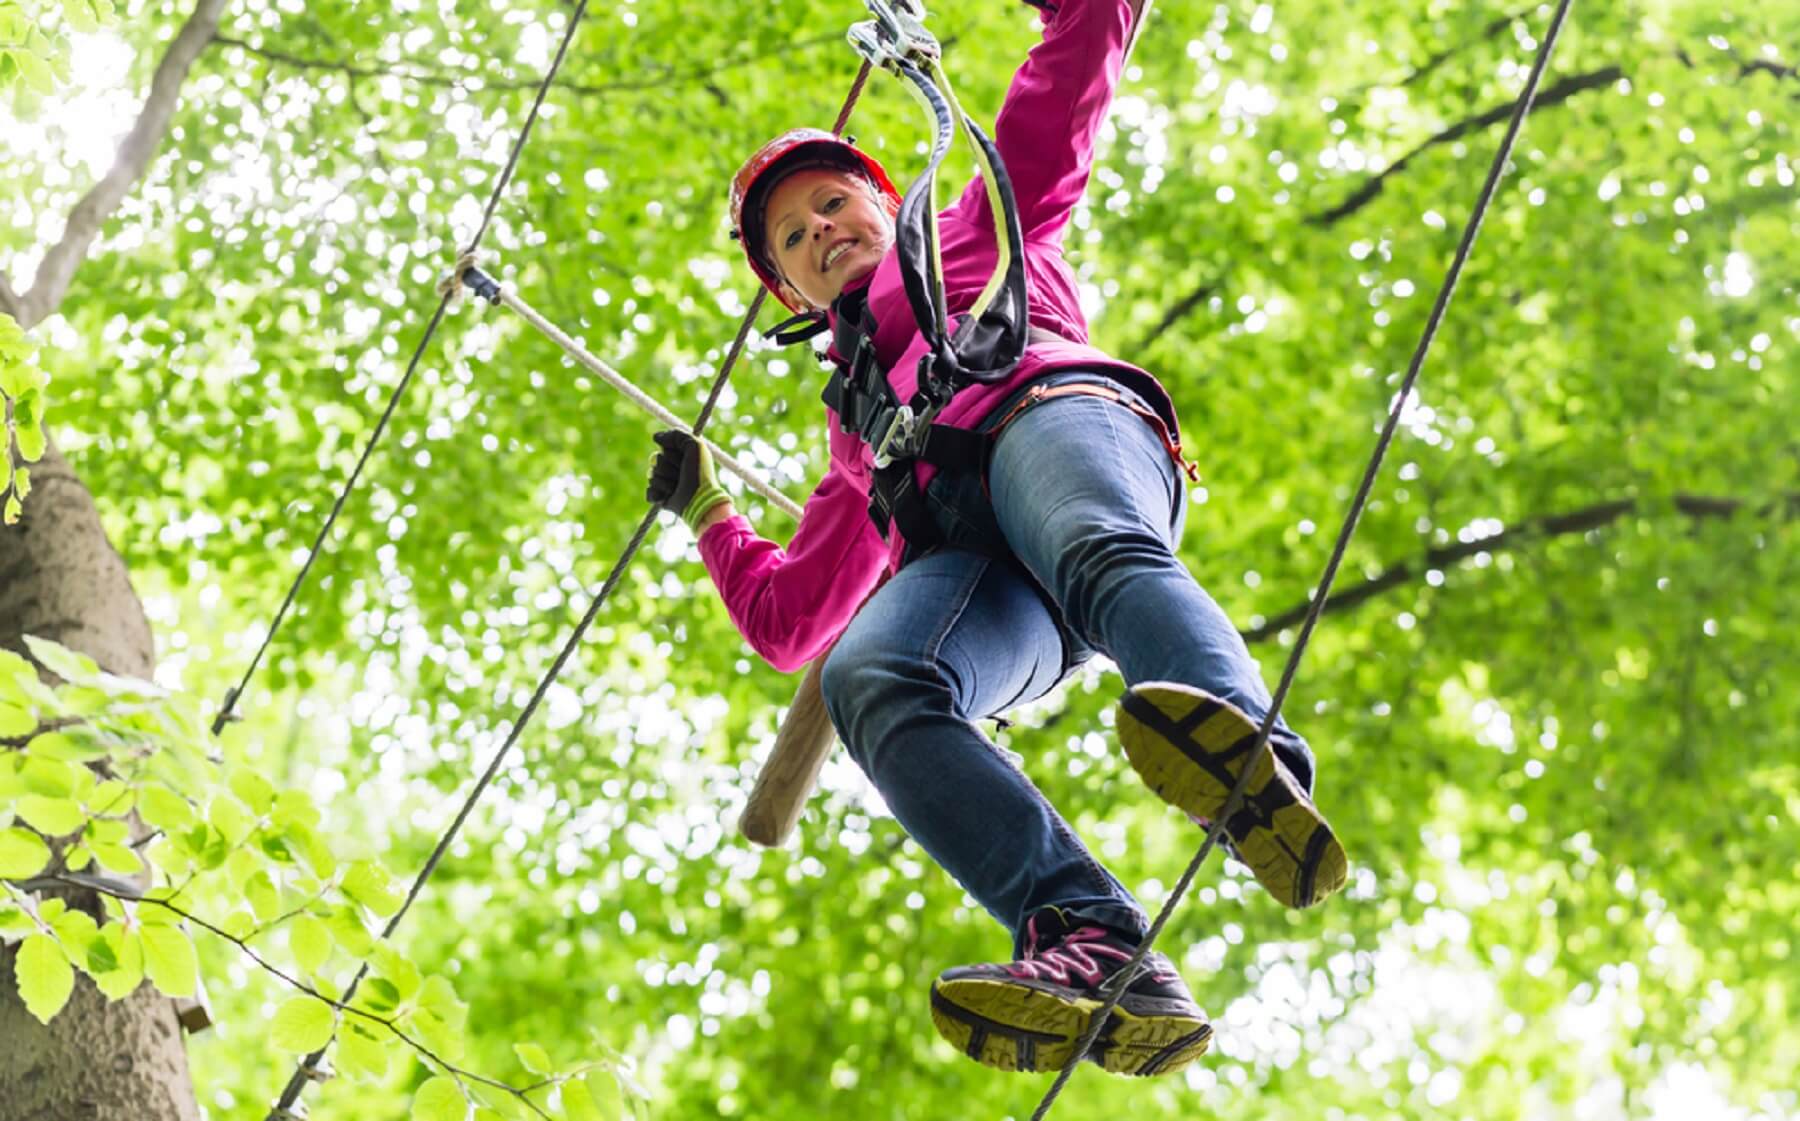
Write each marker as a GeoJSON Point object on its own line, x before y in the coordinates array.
{"type": "Point", "coordinates": [1188, 746]}
{"type": "Point", "coordinates": [1010, 1027]}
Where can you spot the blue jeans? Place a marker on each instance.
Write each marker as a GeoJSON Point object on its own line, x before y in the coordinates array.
{"type": "Point", "coordinates": [1072, 553]}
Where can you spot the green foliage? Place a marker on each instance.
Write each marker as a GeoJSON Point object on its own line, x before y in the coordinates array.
{"type": "Point", "coordinates": [212, 835]}
{"type": "Point", "coordinates": [22, 385]}
{"type": "Point", "coordinates": [34, 47]}
{"type": "Point", "coordinates": [1564, 764]}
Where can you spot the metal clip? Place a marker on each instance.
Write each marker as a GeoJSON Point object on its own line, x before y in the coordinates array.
{"type": "Point", "coordinates": [897, 34]}
{"type": "Point", "coordinates": [897, 441]}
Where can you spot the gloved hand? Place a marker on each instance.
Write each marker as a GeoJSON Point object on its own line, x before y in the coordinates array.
{"type": "Point", "coordinates": [682, 479]}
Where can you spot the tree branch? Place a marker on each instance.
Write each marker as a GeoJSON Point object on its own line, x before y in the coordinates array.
{"type": "Point", "coordinates": [1492, 29]}
{"type": "Point", "coordinates": [1555, 525]}
{"type": "Point", "coordinates": [83, 225]}
{"type": "Point", "coordinates": [124, 892]}
{"type": "Point", "coordinates": [1177, 312]}
{"type": "Point", "coordinates": [9, 300]}
{"type": "Point", "coordinates": [430, 76]}
{"type": "Point", "coordinates": [1556, 95]}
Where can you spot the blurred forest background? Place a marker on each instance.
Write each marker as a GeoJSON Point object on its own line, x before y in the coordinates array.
{"type": "Point", "coordinates": [1555, 715]}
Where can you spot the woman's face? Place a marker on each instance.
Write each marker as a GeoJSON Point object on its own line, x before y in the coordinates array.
{"type": "Point", "coordinates": [826, 228]}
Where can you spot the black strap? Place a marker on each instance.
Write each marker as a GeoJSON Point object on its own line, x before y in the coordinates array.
{"type": "Point", "coordinates": [798, 328]}
{"type": "Point", "coordinates": [984, 348]}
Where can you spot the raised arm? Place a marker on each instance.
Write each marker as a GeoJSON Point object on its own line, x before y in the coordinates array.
{"type": "Point", "coordinates": [1053, 111]}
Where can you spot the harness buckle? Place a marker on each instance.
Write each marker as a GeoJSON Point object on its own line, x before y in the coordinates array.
{"type": "Point", "coordinates": [895, 440]}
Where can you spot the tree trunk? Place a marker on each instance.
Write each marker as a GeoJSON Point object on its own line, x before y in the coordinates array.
{"type": "Point", "coordinates": [97, 1060]}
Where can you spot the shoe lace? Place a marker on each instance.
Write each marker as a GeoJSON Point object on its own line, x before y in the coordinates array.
{"type": "Point", "coordinates": [1078, 954]}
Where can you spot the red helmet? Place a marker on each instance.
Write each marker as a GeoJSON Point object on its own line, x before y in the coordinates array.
{"type": "Point", "coordinates": [792, 151]}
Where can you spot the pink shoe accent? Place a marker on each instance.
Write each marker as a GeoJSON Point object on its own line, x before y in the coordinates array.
{"type": "Point", "coordinates": [1073, 957]}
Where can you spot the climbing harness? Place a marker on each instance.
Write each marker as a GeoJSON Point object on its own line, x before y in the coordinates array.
{"type": "Point", "coordinates": [1122, 980]}
{"type": "Point", "coordinates": [985, 343]}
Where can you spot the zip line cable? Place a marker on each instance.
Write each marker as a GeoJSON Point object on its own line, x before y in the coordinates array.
{"type": "Point", "coordinates": [304, 1072]}
{"type": "Point", "coordinates": [1124, 977]}
{"type": "Point", "coordinates": [228, 706]}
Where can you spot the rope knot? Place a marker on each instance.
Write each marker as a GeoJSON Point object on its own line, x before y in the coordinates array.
{"type": "Point", "coordinates": [467, 274]}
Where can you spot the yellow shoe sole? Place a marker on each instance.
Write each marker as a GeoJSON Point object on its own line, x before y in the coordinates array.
{"type": "Point", "coordinates": [1189, 747]}
{"type": "Point", "coordinates": [1008, 1026]}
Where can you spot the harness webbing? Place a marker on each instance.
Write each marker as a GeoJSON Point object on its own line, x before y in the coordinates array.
{"type": "Point", "coordinates": [1121, 980]}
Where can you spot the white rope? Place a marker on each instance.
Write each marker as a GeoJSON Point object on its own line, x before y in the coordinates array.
{"type": "Point", "coordinates": [632, 393]}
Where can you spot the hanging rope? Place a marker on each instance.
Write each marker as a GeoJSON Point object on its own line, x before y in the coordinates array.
{"type": "Point", "coordinates": [1123, 978]}
{"type": "Point", "coordinates": [228, 706]}
{"type": "Point", "coordinates": [304, 1072]}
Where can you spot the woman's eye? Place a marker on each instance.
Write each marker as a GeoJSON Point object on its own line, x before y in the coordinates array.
{"type": "Point", "coordinates": [836, 201]}
{"type": "Point", "coordinates": [793, 239]}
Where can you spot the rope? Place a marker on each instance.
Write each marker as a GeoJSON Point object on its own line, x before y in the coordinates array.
{"type": "Point", "coordinates": [227, 707]}
{"type": "Point", "coordinates": [300, 1077]}
{"type": "Point", "coordinates": [1126, 975]}
{"type": "Point", "coordinates": [643, 400]}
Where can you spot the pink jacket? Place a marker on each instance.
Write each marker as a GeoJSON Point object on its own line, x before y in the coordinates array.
{"type": "Point", "coordinates": [790, 604]}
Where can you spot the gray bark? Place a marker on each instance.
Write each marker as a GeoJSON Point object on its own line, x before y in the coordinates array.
{"type": "Point", "coordinates": [96, 1061]}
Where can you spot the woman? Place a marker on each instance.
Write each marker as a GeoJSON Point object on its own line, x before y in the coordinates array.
{"type": "Point", "coordinates": [1062, 546]}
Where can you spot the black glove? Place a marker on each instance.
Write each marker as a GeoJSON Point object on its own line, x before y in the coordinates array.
{"type": "Point", "coordinates": [682, 480]}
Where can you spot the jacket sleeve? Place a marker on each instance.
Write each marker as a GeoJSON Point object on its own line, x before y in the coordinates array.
{"type": "Point", "coordinates": [789, 604]}
{"type": "Point", "coordinates": [1053, 111]}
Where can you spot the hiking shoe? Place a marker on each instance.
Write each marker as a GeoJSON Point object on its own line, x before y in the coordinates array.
{"type": "Point", "coordinates": [1030, 1015]}
{"type": "Point", "coordinates": [1190, 747]}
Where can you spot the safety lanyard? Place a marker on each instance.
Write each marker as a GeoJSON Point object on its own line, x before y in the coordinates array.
{"type": "Point", "coordinates": [988, 342]}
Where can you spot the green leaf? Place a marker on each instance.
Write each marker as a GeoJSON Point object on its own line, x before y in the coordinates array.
{"type": "Point", "coordinates": [260, 893]}
{"type": "Point", "coordinates": [76, 669]}
{"type": "Point", "coordinates": [13, 671]}
{"type": "Point", "coordinates": [109, 801]}
{"type": "Point", "coordinates": [310, 942]}
{"type": "Point", "coordinates": [535, 1058]}
{"type": "Point", "coordinates": [229, 819]}
{"type": "Point", "coordinates": [16, 721]}
{"type": "Point", "coordinates": [578, 1102]}
{"type": "Point", "coordinates": [75, 929]}
{"type": "Point", "coordinates": [361, 1052]}
{"type": "Point", "coordinates": [22, 482]}
{"type": "Point", "coordinates": [35, 70]}
{"type": "Point", "coordinates": [378, 995]}
{"type": "Point", "coordinates": [348, 931]}
{"type": "Point", "coordinates": [23, 854]}
{"type": "Point", "coordinates": [439, 1099]}
{"type": "Point", "coordinates": [66, 748]}
{"type": "Point", "coordinates": [80, 15]}
{"type": "Point", "coordinates": [117, 858]}
{"type": "Point", "coordinates": [14, 922]}
{"type": "Point", "coordinates": [163, 808]}
{"type": "Point", "coordinates": [125, 948]}
{"type": "Point", "coordinates": [52, 817]}
{"type": "Point", "coordinates": [303, 1024]}
{"type": "Point", "coordinates": [169, 959]}
{"type": "Point", "coordinates": [13, 510]}
{"type": "Point", "coordinates": [50, 777]}
{"type": "Point", "coordinates": [253, 790]}
{"type": "Point", "coordinates": [367, 882]}
{"type": "Point", "coordinates": [45, 977]}
{"type": "Point", "coordinates": [238, 924]}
